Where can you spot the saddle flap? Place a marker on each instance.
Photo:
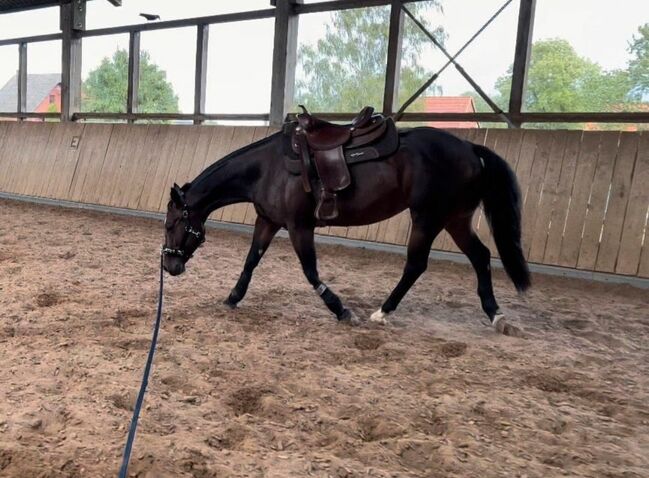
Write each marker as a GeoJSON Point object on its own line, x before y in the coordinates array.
{"type": "Point", "coordinates": [332, 169]}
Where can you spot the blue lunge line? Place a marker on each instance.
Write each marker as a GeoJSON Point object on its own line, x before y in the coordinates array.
{"type": "Point", "coordinates": [145, 379]}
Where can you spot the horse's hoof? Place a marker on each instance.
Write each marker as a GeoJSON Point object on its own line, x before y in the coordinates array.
{"type": "Point", "coordinates": [379, 317]}
{"type": "Point", "coordinates": [349, 317]}
{"type": "Point", "coordinates": [230, 303]}
{"type": "Point", "coordinates": [501, 326]}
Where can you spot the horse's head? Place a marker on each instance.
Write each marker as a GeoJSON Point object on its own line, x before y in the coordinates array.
{"type": "Point", "coordinates": [184, 232]}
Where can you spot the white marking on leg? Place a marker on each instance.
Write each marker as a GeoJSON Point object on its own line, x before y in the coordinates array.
{"type": "Point", "coordinates": [497, 318]}
{"type": "Point", "coordinates": [379, 317]}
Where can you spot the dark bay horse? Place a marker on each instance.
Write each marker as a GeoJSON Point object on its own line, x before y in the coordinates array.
{"type": "Point", "coordinates": [440, 178]}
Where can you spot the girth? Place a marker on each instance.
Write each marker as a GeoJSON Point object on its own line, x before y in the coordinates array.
{"type": "Point", "coordinates": [326, 150]}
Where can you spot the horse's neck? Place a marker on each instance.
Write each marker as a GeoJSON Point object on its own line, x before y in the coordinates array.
{"type": "Point", "coordinates": [229, 181]}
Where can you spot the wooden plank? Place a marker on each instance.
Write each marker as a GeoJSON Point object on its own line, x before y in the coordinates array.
{"type": "Point", "coordinates": [150, 163]}
{"type": "Point", "coordinates": [131, 168]}
{"type": "Point", "coordinates": [617, 203]}
{"type": "Point", "coordinates": [524, 170]}
{"type": "Point", "coordinates": [635, 217]}
{"type": "Point", "coordinates": [586, 164]}
{"type": "Point", "coordinates": [596, 208]}
{"type": "Point", "coordinates": [11, 154]}
{"type": "Point", "coordinates": [535, 186]}
{"type": "Point", "coordinates": [643, 269]}
{"type": "Point", "coordinates": [173, 158]}
{"type": "Point", "coordinates": [66, 163]}
{"type": "Point", "coordinates": [137, 166]}
{"type": "Point", "coordinates": [118, 142]}
{"type": "Point", "coordinates": [15, 174]}
{"type": "Point", "coordinates": [93, 146]}
{"type": "Point", "coordinates": [159, 184]}
{"type": "Point", "coordinates": [564, 190]}
{"type": "Point", "coordinates": [93, 156]}
{"type": "Point", "coordinates": [45, 168]}
{"type": "Point", "coordinates": [180, 163]}
{"type": "Point", "coordinates": [548, 196]}
{"type": "Point", "coordinates": [202, 150]}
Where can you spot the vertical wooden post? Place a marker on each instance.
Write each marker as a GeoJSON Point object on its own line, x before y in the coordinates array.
{"type": "Point", "coordinates": [395, 40]}
{"type": "Point", "coordinates": [133, 73]}
{"type": "Point", "coordinates": [200, 78]}
{"type": "Point", "coordinates": [521, 58]}
{"type": "Point", "coordinates": [73, 20]}
{"type": "Point", "coordinates": [22, 78]}
{"type": "Point", "coordinates": [284, 61]}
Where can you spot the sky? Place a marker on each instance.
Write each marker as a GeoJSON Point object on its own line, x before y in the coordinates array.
{"type": "Point", "coordinates": [239, 64]}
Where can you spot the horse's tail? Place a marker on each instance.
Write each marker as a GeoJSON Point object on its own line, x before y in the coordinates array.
{"type": "Point", "coordinates": [502, 206]}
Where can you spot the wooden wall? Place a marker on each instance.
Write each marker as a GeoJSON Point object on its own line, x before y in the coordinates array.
{"type": "Point", "coordinates": [586, 193]}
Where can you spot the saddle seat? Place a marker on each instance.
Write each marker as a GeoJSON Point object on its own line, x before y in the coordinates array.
{"type": "Point", "coordinates": [326, 149]}
{"type": "Point", "coordinates": [321, 134]}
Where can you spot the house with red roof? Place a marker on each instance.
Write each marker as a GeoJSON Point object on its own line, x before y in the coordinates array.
{"type": "Point", "coordinates": [43, 94]}
{"type": "Point", "coordinates": [450, 104]}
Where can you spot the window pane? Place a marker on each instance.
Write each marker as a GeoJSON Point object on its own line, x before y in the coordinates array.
{"type": "Point", "coordinates": [8, 78]}
{"type": "Point", "coordinates": [341, 59]}
{"type": "Point", "coordinates": [240, 57]}
{"type": "Point", "coordinates": [486, 60]}
{"type": "Point", "coordinates": [582, 59]}
{"type": "Point", "coordinates": [104, 68]}
{"type": "Point", "coordinates": [44, 77]}
{"type": "Point", "coordinates": [167, 71]}
{"type": "Point", "coordinates": [39, 21]}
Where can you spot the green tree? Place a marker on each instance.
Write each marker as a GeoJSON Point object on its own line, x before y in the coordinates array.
{"type": "Point", "coordinates": [559, 80]}
{"type": "Point", "coordinates": [345, 70]}
{"type": "Point", "coordinates": [639, 65]}
{"type": "Point", "coordinates": [106, 87]}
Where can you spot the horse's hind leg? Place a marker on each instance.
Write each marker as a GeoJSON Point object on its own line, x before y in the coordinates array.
{"type": "Point", "coordinates": [466, 239]}
{"type": "Point", "coordinates": [423, 233]}
{"type": "Point", "coordinates": [303, 243]}
{"type": "Point", "coordinates": [261, 239]}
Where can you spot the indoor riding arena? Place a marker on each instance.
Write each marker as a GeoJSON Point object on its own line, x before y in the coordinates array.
{"type": "Point", "coordinates": [105, 105]}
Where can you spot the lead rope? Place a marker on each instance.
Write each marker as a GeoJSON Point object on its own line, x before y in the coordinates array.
{"type": "Point", "coordinates": [145, 379]}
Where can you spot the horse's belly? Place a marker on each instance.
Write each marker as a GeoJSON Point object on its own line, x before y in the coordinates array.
{"type": "Point", "coordinates": [374, 195]}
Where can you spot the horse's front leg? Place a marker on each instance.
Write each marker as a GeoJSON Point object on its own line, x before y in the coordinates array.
{"type": "Point", "coordinates": [423, 233]}
{"type": "Point", "coordinates": [261, 239]}
{"type": "Point", "coordinates": [303, 243]}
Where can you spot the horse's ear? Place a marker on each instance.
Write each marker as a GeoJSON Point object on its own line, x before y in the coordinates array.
{"type": "Point", "coordinates": [177, 196]}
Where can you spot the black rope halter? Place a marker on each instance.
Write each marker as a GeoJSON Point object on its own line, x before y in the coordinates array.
{"type": "Point", "coordinates": [180, 252]}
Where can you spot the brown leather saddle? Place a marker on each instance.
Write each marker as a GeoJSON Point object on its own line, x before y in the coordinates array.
{"type": "Point", "coordinates": [326, 150]}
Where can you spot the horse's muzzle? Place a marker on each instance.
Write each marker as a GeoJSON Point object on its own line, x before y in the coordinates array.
{"type": "Point", "coordinates": [173, 266]}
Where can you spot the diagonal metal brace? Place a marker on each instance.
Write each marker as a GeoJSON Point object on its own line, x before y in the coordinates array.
{"type": "Point", "coordinates": [451, 60]}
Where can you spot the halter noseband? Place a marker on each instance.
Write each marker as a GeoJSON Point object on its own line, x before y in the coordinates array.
{"type": "Point", "coordinates": [180, 252]}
